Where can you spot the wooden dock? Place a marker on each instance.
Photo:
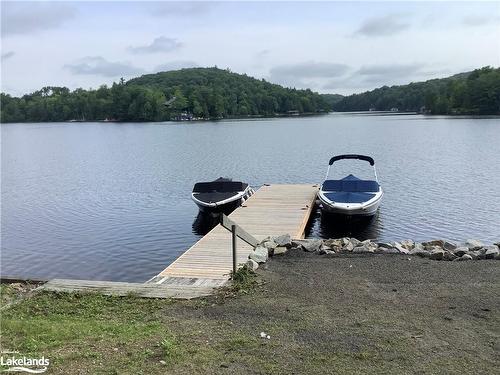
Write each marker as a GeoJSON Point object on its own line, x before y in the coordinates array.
{"type": "Point", "coordinates": [272, 211]}
{"type": "Point", "coordinates": [183, 289]}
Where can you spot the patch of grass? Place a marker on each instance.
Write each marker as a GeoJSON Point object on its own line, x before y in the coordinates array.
{"type": "Point", "coordinates": [170, 349]}
{"type": "Point", "coordinates": [14, 292]}
{"type": "Point", "coordinates": [39, 333]}
{"type": "Point", "coordinates": [244, 279]}
{"type": "Point", "coordinates": [6, 293]}
{"type": "Point", "coordinates": [53, 320]}
{"type": "Point", "coordinates": [79, 331]}
{"type": "Point", "coordinates": [240, 342]}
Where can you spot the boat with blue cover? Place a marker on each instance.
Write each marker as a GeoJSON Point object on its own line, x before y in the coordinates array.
{"type": "Point", "coordinates": [351, 196]}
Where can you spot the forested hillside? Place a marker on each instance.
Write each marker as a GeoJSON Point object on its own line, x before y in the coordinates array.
{"type": "Point", "coordinates": [198, 92]}
{"type": "Point", "coordinates": [212, 93]}
{"type": "Point", "coordinates": [476, 93]}
{"type": "Point", "coordinates": [332, 99]}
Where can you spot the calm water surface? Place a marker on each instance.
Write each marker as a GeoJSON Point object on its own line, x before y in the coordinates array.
{"type": "Point", "coordinates": [112, 201]}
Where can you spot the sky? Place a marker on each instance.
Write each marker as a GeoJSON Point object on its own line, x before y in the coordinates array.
{"type": "Point", "coordinates": [330, 47]}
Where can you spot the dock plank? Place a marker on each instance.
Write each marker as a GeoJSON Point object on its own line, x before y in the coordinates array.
{"type": "Point", "coordinates": [147, 290]}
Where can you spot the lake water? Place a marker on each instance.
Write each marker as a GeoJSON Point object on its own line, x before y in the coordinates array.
{"type": "Point", "coordinates": [112, 201]}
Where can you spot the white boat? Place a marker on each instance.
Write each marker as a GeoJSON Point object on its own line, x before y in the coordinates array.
{"type": "Point", "coordinates": [221, 195]}
{"type": "Point", "coordinates": [351, 196]}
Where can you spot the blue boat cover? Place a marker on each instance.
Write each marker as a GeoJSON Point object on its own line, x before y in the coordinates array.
{"type": "Point", "coordinates": [348, 197]}
{"type": "Point", "coordinates": [351, 184]}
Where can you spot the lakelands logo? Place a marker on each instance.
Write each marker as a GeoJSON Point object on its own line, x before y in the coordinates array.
{"type": "Point", "coordinates": [13, 362]}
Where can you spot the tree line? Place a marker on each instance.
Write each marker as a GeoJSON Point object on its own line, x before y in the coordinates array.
{"type": "Point", "coordinates": [206, 93]}
{"type": "Point", "coordinates": [473, 93]}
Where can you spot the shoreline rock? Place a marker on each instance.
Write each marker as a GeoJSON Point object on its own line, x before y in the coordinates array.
{"type": "Point", "coordinates": [437, 249]}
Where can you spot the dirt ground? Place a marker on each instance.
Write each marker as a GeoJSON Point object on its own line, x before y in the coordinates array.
{"type": "Point", "coordinates": [366, 314]}
{"type": "Point", "coordinates": [402, 314]}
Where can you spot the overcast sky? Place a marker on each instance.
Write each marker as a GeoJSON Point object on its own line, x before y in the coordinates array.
{"type": "Point", "coordinates": [330, 47]}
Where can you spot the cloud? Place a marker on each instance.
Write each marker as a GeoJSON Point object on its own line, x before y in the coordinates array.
{"type": "Point", "coordinates": [372, 76]}
{"type": "Point", "coordinates": [160, 44]}
{"type": "Point", "coordinates": [309, 69]}
{"type": "Point", "coordinates": [389, 70]}
{"type": "Point", "coordinates": [476, 20]}
{"type": "Point", "coordinates": [304, 74]}
{"type": "Point", "coordinates": [184, 9]}
{"type": "Point", "coordinates": [175, 65]}
{"type": "Point", "coordinates": [30, 17]}
{"type": "Point", "coordinates": [7, 55]}
{"type": "Point", "coordinates": [97, 65]}
{"type": "Point", "coordinates": [263, 53]}
{"type": "Point", "coordinates": [342, 83]}
{"type": "Point", "coordinates": [382, 26]}
{"type": "Point", "coordinates": [388, 74]}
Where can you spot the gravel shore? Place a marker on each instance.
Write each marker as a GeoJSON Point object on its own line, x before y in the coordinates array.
{"type": "Point", "coordinates": [378, 313]}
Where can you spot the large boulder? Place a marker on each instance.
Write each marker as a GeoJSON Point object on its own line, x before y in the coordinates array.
{"type": "Point", "coordinates": [280, 250]}
{"type": "Point", "coordinates": [362, 248]}
{"type": "Point", "coordinates": [337, 243]}
{"type": "Point", "coordinates": [371, 246]}
{"type": "Point", "coordinates": [473, 244]}
{"type": "Point", "coordinates": [418, 246]}
{"type": "Point", "coordinates": [448, 255]}
{"type": "Point", "coordinates": [326, 250]}
{"type": "Point", "coordinates": [464, 257]}
{"type": "Point", "coordinates": [260, 254]}
{"type": "Point", "coordinates": [384, 245]}
{"type": "Point", "coordinates": [387, 250]}
{"type": "Point", "coordinates": [450, 246]}
{"type": "Point", "coordinates": [268, 238]}
{"type": "Point", "coordinates": [284, 240]}
{"type": "Point", "coordinates": [311, 245]}
{"type": "Point", "coordinates": [297, 244]}
{"type": "Point", "coordinates": [345, 241]}
{"type": "Point", "coordinates": [430, 244]}
{"type": "Point", "coordinates": [349, 246]}
{"type": "Point", "coordinates": [421, 252]}
{"type": "Point", "coordinates": [474, 254]}
{"type": "Point", "coordinates": [437, 253]}
{"type": "Point", "coordinates": [400, 248]}
{"type": "Point", "coordinates": [271, 245]}
{"type": "Point", "coordinates": [408, 244]}
{"type": "Point", "coordinates": [252, 264]}
{"type": "Point", "coordinates": [354, 241]}
{"type": "Point", "coordinates": [490, 252]}
{"type": "Point", "coordinates": [460, 251]}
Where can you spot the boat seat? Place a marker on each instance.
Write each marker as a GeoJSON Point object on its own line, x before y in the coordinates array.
{"type": "Point", "coordinates": [349, 197]}
{"type": "Point", "coordinates": [353, 186]}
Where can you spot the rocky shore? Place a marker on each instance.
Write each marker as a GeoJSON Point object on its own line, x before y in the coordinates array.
{"type": "Point", "coordinates": [434, 249]}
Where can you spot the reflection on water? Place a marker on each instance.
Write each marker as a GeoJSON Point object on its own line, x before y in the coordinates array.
{"type": "Point", "coordinates": [204, 223]}
{"type": "Point", "coordinates": [327, 225]}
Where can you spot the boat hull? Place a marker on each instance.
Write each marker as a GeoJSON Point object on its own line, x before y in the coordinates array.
{"type": "Point", "coordinates": [351, 209]}
{"type": "Point", "coordinates": [224, 206]}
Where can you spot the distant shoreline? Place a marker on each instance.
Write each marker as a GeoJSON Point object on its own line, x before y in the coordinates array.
{"type": "Point", "coordinates": [263, 117]}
